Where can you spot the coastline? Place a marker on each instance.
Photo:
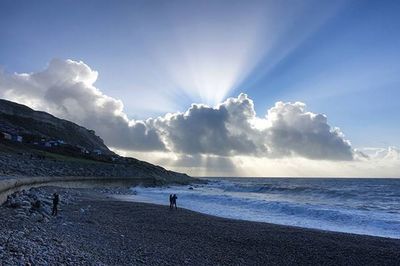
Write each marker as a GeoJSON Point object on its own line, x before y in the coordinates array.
{"type": "Point", "coordinates": [96, 229]}
{"type": "Point", "coordinates": [123, 198]}
{"type": "Point", "coordinates": [308, 203]}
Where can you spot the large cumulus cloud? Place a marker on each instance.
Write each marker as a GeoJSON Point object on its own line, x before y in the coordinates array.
{"type": "Point", "coordinates": [232, 128]}
{"type": "Point", "coordinates": [65, 89]}
{"type": "Point", "coordinates": [223, 130]}
{"type": "Point", "coordinates": [292, 130]}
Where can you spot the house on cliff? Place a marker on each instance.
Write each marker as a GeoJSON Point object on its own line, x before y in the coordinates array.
{"type": "Point", "coordinates": [10, 137]}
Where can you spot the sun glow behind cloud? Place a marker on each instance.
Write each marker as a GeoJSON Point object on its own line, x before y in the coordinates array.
{"type": "Point", "coordinates": [184, 72]}
{"type": "Point", "coordinates": [207, 50]}
{"type": "Point", "coordinates": [204, 165]}
{"type": "Point", "coordinates": [229, 139]}
{"type": "Point", "coordinates": [216, 53]}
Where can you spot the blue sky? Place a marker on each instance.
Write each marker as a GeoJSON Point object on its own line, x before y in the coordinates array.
{"type": "Point", "coordinates": [347, 68]}
{"type": "Point", "coordinates": [341, 58]}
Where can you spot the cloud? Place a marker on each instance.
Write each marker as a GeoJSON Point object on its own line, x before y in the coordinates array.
{"type": "Point", "coordinates": [293, 131]}
{"type": "Point", "coordinates": [232, 128]}
{"type": "Point", "coordinates": [65, 89]}
{"type": "Point", "coordinates": [390, 153]}
{"type": "Point", "coordinates": [387, 166]}
{"type": "Point", "coordinates": [207, 130]}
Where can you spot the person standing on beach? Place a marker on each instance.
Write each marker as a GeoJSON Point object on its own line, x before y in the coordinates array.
{"type": "Point", "coordinates": [170, 201]}
{"type": "Point", "coordinates": [56, 200]}
{"type": "Point", "coordinates": [174, 197]}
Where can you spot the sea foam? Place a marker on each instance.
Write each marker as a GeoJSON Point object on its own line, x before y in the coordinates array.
{"type": "Point", "coordinates": [361, 206]}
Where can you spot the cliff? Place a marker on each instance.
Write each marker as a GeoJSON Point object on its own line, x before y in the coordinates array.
{"type": "Point", "coordinates": [33, 156]}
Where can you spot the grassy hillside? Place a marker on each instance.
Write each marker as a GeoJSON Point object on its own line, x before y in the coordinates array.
{"type": "Point", "coordinates": [35, 125]}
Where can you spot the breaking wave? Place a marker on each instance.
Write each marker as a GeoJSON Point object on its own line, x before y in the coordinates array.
{"type": "Point", "coordinates": [361, 206]}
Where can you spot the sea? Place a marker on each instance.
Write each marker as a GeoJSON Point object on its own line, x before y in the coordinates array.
{"type": "Point", "coordinates": [360, 206]}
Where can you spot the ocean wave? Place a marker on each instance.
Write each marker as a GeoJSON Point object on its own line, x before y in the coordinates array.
{"type": "Point", "coordinates": [333, 205]}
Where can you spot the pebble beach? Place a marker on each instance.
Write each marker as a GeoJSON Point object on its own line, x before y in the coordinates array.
{"type": "Point", "coordinates": [95, 228]}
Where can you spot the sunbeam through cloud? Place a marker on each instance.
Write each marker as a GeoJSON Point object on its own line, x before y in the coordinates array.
{"type": "Point", "coordinates": [212, 47]}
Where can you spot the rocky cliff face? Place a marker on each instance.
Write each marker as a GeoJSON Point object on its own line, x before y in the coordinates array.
{"type": "Point", "coordinates": [20, 119]}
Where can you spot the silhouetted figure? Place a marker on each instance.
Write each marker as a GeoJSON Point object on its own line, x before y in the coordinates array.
{"type": "Point", "coordinates": [56, 200]}
{"type": "Point", "coordinates": [171, 201]}
{"type": "Point", "coordinates": [174, 197]}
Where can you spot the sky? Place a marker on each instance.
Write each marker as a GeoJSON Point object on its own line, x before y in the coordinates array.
{"type": "Point", "coordinates": [249, 88]}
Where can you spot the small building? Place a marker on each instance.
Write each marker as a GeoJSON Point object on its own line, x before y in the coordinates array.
{"type": "Point", "coordinates": [97, 152]}
{"type": "Point", "coordinates": [16, 138]}
{"type": "Point", "coordinates": [47, 144]}
{"type": "Point", "coordinates": [52, 143]}
{"type": "Point", "coordinates": [12, 137]}
{"type": "Point", "coordinates": [7, 136]}
{"type": "Point", "coordinates": [82, 149]}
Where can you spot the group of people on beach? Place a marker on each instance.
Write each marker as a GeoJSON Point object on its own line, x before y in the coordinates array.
{"type": "Point", "coordinates": [56, 200]}
{"type": "Point", "coordinates": [172, 201]}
